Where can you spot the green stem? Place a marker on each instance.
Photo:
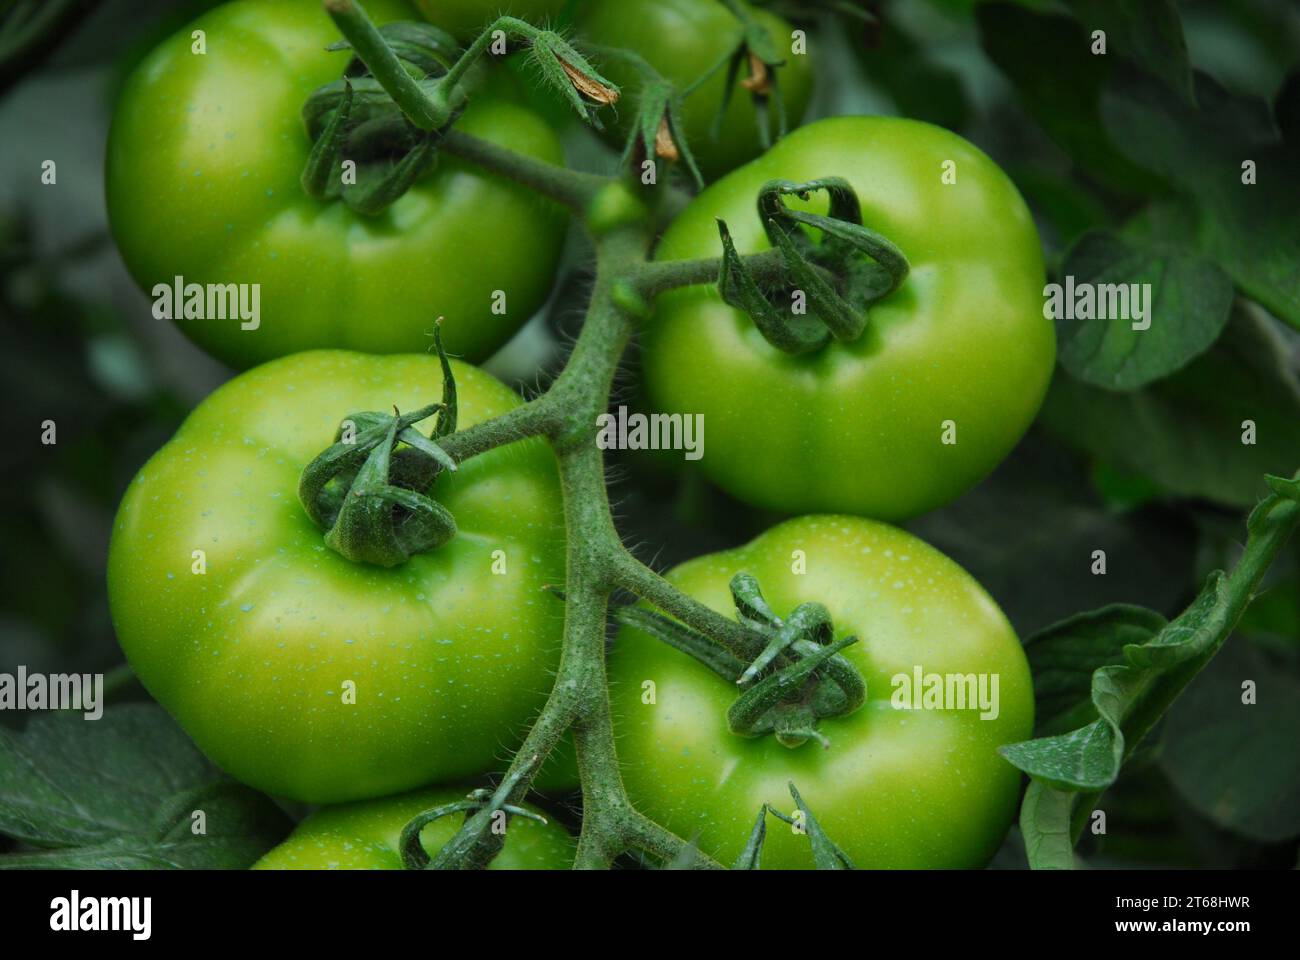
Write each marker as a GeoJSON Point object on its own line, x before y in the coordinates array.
{"type": "Point", "coordinates": [658, 276]}
{"type": "Point", "coordinates": [368, 44]}
{"type": "Point", "coordinates": [509, 25]}
{"type": "Point", "coordinates": [633, 575]}
{"type": "Point", "coordinates": [532, 419]}
{"type": "Point", "coordinates": [579, 698]}
{"type": "Point", "coordinates": [571, 188]}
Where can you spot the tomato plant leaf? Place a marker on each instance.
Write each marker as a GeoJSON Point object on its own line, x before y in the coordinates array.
{"type": "Point", "coordinates": [122, 792]}
{"type": "Point", "coordinates": [1064, 656]}
{"type": "Point", "coordinates": [1228, 156]}
{"type": "Point", "coordinates": [1045, 816]}
{"type": "Point", "coordinates": [1129, 697]}
{"type": "Point", "coordinates": [1186, 431]}
{"type": "Point", "coordinates": [1189, 304]}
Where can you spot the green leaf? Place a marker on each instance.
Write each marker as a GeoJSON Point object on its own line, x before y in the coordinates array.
{"type": "Point", "coordinates": [1064, 657]}
{"type": "Point", "coordinates": [120, 793]}
{"type": "Point", "coordinates": [1189, 304]}
{"type": "Point", "coordinates": [1235, 762]}
{"type": "Point", "coordinates": [1127, 697]}
{"type": "Point", "coordinates": [1045, 816]}
{"type": "Point", "coordinates": [1248, 228]}
{"type": "Point", "coordinates": [1185, 432]}
{"type": "Point", "coordinates": [1071, 770]}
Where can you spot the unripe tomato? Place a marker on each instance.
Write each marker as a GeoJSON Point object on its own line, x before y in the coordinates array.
{"type": "Point", "coordinates": [204, 163]}
{"type": "Point", "coordinates": [949, 373]}
{"type": "Point", "coordinates": [303, 673]}
{"type": "Point", "coordinates": [896, 787]}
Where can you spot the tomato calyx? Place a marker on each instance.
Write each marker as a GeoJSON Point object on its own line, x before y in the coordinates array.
{"type": "Point", "coordinates": [831, 284]}
{"type": "Point", "coordinates": [657, 131]}
{"type": "Point", "coordinates": [367, 489]}
{"type": "Point", "coordinates": [355, 119]}
{"type": "Point", "coordinates": [797, 678]}
{"type": "Point", "coordinates": [479, 841]}
{"type": "Point", "coordinates": [430, 79]}
{"type": "Point", "coordinates": [758, 52]}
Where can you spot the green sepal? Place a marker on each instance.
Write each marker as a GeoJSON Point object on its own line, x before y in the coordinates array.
{"type": "Point", "coordinates": [415, 857]}
{"type": "Point", "coordinates": [755, 40]}
{"type": "Point", "coordinates": [320, 177]}
{"type": "Point", "coordinates": [356, 119]}
{"type": "Point", "coordinates": [475, 845]}
{"type": "Point", "coordinates": [551, 52]}
{"type": "Point", "coordinates": [367, 528]}
{"type": "Point", "coordinates": [826, 854]}
{"type": "Point", "coordinates": [764, 707]}
{"type": "Point", "coordinates": [786, 331]}
{"type": "Point", "coordinates": [801, 677]}
{"type": "Point", "coordinates": [804, 634]}
{"type": "Point", "coordinates": [864, 266]}
{"type": "Point", "coordinates": [750, 858]}
{"type": "Point", "coordinates": [445, 425]}
{"type": "Point", "coordinates": [376, 192]}
{"type": "Point", "coordinates": [660, 104]}
{"type": "Point", "coordinates": [369, 494]}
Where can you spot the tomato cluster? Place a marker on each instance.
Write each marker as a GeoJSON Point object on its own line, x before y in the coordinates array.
{"type": "Point", "coordinates": [317, 678]}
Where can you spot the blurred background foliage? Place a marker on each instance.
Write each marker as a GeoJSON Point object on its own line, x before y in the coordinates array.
{"type": "Point", "coordinates": [1121, 159]}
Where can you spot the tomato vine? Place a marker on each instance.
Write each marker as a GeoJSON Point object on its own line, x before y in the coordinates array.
{"type": "Point", "coordinates": [621, 225]}
{"type": "Point", "coordinates": [598, 563]}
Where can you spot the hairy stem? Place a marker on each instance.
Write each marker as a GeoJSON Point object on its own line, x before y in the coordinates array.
{"type": "Point", "coordinates": [532, 419]}
{"type": "Point", "coordinates": [768, 269]}
{"type": "Point", "coordinates": [369, 45]}
{"type": "Point", "coordinates": [633, 575]}
{"type": "Point", "coordinates": [569, 187]}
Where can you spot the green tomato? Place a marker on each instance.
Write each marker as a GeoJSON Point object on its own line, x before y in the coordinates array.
{"type": "Point", "coordinates": [896, 787]}
{"type": "Point", "coordinates": [204, 160]}
{"type": "Point", "coordinates": [305, 674]}
{"type": "Point", "coordinates": [367, 836]}
{"type": "Point", "coordinates": [948, 375]}
{"type": "Point", "coordinates": [466, 19]}
{"type": "Point", "coordinates": [683, 40]}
